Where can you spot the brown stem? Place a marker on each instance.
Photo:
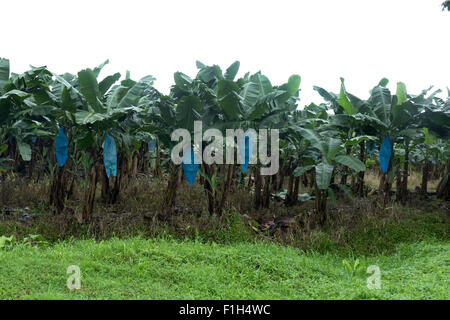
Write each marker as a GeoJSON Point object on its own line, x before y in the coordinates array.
{"type": "Point", "coordinates": [424, 185]}
{"type": "Point", "coordinates": [443, 187]}
{"type": "Point", "coordinates": [360, 182]}
{"type": "Point", "coordinates": [226, 187]}
{"type": "Point", "coordinates": [266, 197]}
{"type": "Point", "coordinates": [289, 194]}
{"type": "Point", "coordinates": [58, 190]}
{"type": "Point", "coordinates": [321, 204]}
{"type": "Point", "coordinates": [168, 204]}
{"type": "Point", "coordinates": [258, 183]}
{"type": "Point", "coordinates": [90, 195]}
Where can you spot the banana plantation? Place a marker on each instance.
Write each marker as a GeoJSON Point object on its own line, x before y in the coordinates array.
{"type": "Point", "coordinates": [87, 136]}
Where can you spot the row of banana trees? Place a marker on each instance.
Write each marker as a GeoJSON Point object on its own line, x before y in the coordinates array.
{"type": "Point", "coordinates": [325, 146]}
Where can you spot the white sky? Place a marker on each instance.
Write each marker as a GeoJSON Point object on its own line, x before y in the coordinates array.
{"type": "Point", "coordinates": [321, 40]}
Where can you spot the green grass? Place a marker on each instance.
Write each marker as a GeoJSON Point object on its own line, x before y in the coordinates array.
{"type": "Point", "coordinates": [137, 268]}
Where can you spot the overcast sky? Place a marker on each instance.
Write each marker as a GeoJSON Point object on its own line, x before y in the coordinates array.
{"type": "Point", "coordinates": [321, 40]}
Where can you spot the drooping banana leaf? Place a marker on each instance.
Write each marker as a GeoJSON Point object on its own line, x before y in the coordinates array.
{"type": "Point", "coordinates": [25, 150]}
{"type": "Point", "coordinates": [4, 73]}
{"type": "Point", "coordinates": [324, 172]}
{"type": "Point", "coordinates": [351, 162]}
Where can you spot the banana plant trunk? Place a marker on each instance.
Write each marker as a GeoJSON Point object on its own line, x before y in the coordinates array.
{"type": "Point", "coordinates": [321, 205]}
{"type": "Point", "coordinates": [312, 180]}
{"type": "Point", "coordinates": [226, 187]}
{"type": "Point", "coordinates": [135, 162]}
{"type": "Point", "coordinates": [403, 190]}
{"type": "Point", "coordinates": [275, 182]}
{"type": "Point", "coordinates": [90, 194]}
{"type": "Point", "coordinates": [105, 186]}
{"type": "Point", "coordinates": [258, 184]}
{"type": "Point", "coordinates": [209, 189]}
{"type": "Point", "coordinates": [111, 186]}
{"type": "Point", "coordinates": [384, 190]}
{"type": "Point", "coordinates": [71, 188]}
{"type": "Point", "coordinates": [296, 189]}
{"type": "Point", "coordinates": [443, 188]}
{"type": "Point", "coordinates": [266, 196]}
{"type": "Point", "coordinates": [282, 174]}
{"type": "Point", "coordinates": [168, 204]}
{"type": "Point", "coordinates": [360, 177]}
{"type": "Point", "coordinates": [292, 195]}
{"type": "Point", "coordinates": [158, 161]}
{"type": "Point", "coordinates": [115, 190]}
{"type": "Point", "coordinates": [290, 191]}
{"type": "Point", "coordinates": [58, 190]}
{"type": "Point", "coordinates": [425, 171]}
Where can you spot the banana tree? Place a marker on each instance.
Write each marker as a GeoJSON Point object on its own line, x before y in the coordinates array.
{"type": "Point", "coordinates": [131, 131]}
{"type": "Point", "coordinates": [293, 151]}
{"type": "Point", "coordinates": [394, 118]}
{"type": "Point", "coordinates": [178, 110]}
{"type": "Point", "coordinates": [268, 107]}
{"type": "Point", "coordinates": [4, 77]}
{"type": "Point", "coordinates": [27, 109]}
{"type": "Point", "coordinates": [435, 121]}
{"type": "Point", "coordinates": [211, 97]}
{"type": "Point", "coordinates": [351, 118]}
{"type": "Point", "coordinates": [93, 110]}
{"type": "Point", "coordinates": [443, 187]}
{"type": "Point", "coordinates": [30, 111]}
{"type": "Point", "coordinates": [331, 153]}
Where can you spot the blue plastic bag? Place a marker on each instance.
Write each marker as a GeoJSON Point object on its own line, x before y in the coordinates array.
{"type": "Point", "coordinates": [61, 148]}
{"type": "Point", "coordinates": [385, 154]}
{"type": "Point", "coordinates": [151, 145]}
{"type": "Point", "coordinates": [190, 168]}
{"type": "Point", "coordinates": [245, 150]}
{"type": "Point", "coordinates": [110, 156]}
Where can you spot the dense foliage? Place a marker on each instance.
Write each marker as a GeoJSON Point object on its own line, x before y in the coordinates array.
{"type": "Point", "coordinates": [446, 5]}
{"type": "Point", "coordinates": [318, 143]}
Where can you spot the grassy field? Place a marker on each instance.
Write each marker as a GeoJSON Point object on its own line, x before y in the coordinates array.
{"type": "Point", "coordinates": [167, 269]}
{"type": "Point", "coordinates": [228, 257]}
